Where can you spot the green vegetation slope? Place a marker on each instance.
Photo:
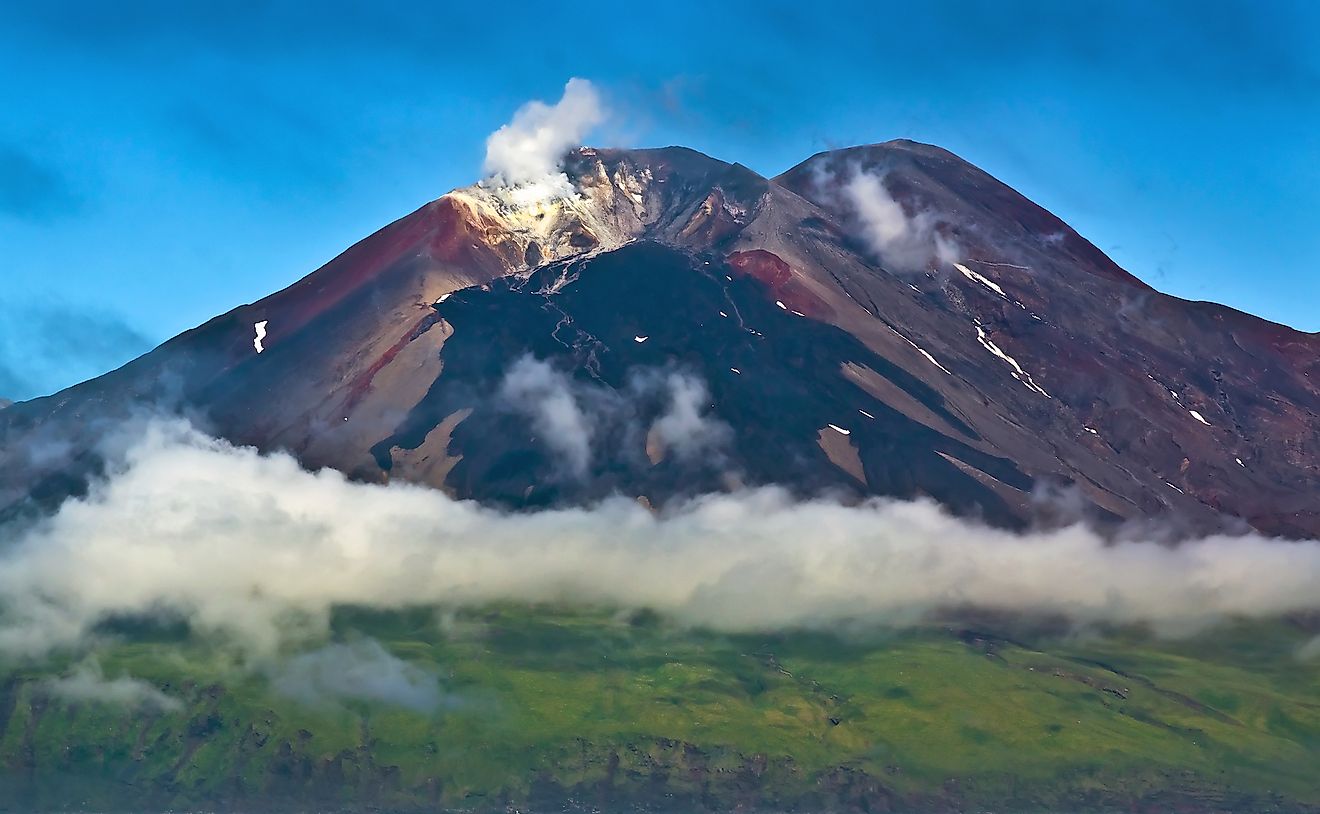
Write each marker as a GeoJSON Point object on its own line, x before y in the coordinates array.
{"type": "Point", "coordinates": [548, 709]}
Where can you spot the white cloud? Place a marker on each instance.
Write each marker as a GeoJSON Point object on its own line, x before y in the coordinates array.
{"type": "Point", "coordinates": [905, 242]}
{"type": "Point", "coordinates": [241, 542]}
{"type": "Point", "coordinates": [569, 415]}
{"type": "Point", "coordinates": [87, 683]}
{"type": "Point", "coordinates": [360, 670]}
{"type": "Point", "coordinates": [685, 426]}
{"type": "Point", "coordinates": [546, 396]}
{"type": "Point", "coordinates": [527, 154]}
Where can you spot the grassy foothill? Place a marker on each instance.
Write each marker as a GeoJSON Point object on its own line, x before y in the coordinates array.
{"type": "Point", "coordinates": [546, 708]}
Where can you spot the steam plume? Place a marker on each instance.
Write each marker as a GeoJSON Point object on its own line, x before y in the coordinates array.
{"type": "Point", "coordinates": [527, 153]}
{"type": "Point", "coordinates": [904, 242]}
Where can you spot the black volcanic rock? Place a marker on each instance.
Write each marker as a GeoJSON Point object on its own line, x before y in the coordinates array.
{"type": "Point", "coordinates": [774, 376]}
{"type": "Point", "coordinates": [1037, 363]}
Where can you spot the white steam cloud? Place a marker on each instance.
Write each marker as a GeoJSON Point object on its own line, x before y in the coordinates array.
{"type": "Point", "coordinates": [566, 414]}
{"type": "Point", "coordinates": [684, 427]}
{"type": "Point", "coordinates": [526, 154]}
{"type": "Point", "coordinates": [360, 670]}
{"type": "Point", "coordinates": [87, 683]}
{"type": "Point", "coordinates": [241, 542]}
{"type": "Point", "coordinates": [904, 242]}
{"type": "Point", "coordinates": [545, 395]}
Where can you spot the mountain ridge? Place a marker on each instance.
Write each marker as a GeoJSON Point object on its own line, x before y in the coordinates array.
{"type": "Point", "coordinates": [1051, 358]}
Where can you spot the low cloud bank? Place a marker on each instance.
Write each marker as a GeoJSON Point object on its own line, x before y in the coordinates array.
{"type": "Point", "coordinates": [525, 156]}
{"type": "Point", "coordinates": [240, 543]}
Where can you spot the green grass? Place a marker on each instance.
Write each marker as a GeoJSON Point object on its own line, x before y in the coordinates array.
{"type": "Point", "coordinates": [543, 704]}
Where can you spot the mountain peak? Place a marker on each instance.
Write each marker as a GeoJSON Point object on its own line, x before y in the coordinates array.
{"type": "Point", "coordinates": [898, 146]}
{"type": "Point", "coordinates": [886, 319]}
{"type": "Point", "coordinates": [981, 211]}
{"type": "Point", "coordinates": [605, 198]}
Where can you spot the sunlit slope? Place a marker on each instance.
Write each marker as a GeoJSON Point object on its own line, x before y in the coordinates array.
{"type": "Point", "coordinates": [543, 709]}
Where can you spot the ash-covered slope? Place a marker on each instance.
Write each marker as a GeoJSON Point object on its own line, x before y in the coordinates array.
{"type": "Point", "coordinates": [885, 320]}
{"type": "Point", "coordinates": [1209, 403]}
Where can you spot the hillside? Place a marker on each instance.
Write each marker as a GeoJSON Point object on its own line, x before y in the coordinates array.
{"type": "Point", "coordinates": [549, 710]}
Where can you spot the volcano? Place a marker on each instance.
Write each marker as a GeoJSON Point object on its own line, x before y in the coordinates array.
{"type": "Point", "coordinates": [885, 320]}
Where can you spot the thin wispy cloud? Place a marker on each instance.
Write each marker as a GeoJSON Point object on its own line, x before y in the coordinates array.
{"type": "Point", "coordinates": [361, 670]}
{"type": "Point", "coordinates": [904, 236]}
{"type": "Point", "coordinates": [45, 347]}
{"type": "Point", "coordinates": [31, 189]}
{"type": "Point", "coordinates": [568, 416]}
{"type": "Point", "coordinates": [87, 683]}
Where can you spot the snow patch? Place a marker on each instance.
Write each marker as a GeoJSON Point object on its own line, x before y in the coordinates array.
{"type": "Point", "coordinates": [443, 297]}
{"type": "Point", "coordinates": [1239, 463]}
{"type": "Point", "coordinates": [979, 278]}
{"type": "Point", "coordinates": [1018, 373]}
{"type": "Point", "coordinates": [922, 351]}
{"type": "Point", "coordinates": [868, 415]}
{"type": "Point", "coordinates": [1171, 486]}
{"type": "Point", "coordinates": [932, 359]}
{"type": "Point", "coordinates": [260, 329]}
{"type": "Point", "coordinates": [640, 339]}
{"type": "Point", "coordinates": [839, 429]}
{"type": "Point", "coordinates": [782, 307]}
{"type": "Point", "coordinates": [736, 370]}
{"type": "Point", "coordinates": [1199, 417]}
{"type": "Point", "coordinates": [1091, 430]}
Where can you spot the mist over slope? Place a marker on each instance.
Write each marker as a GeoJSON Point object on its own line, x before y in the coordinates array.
{"type": "Point", "coordinates": [255, 549]}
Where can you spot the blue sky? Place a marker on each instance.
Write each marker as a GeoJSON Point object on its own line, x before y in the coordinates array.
{"type": "Point", "coordinates": [162, 162]}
